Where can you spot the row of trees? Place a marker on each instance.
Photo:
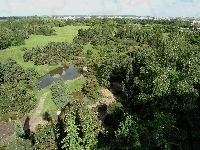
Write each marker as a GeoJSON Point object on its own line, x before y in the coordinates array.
{"type": "Point", "coordinates": [116, 21]}
{"type": "Point", "coordinates": [53, 53]}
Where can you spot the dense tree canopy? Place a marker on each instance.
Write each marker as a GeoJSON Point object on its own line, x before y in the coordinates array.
{"type": "Point", "coordinates": [53, 53]}
{"type": "Point", "coordinates": [152, 68]}
{"type": "Point", "coordinates": [14, 94]}
{"type": "Point", "coordinates": [158, 71]}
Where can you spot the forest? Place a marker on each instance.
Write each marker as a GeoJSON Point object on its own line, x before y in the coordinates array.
{"type": "Point", "coordinates": [141, 89]}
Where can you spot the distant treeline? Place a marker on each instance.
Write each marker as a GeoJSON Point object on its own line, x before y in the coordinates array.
{"type": "Point", "coordinates": [94, 21]}
{"type": "Point", "coordinates": [4, 18]}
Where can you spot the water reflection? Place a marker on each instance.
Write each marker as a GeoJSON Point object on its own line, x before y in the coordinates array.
{"type": "Point", "coordinates": [62, 72]}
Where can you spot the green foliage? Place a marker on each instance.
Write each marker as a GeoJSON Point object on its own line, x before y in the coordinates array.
{"type": "Point", "coordinates": [127, 136]}
{"type": "Point", "coordinates": [16, 98]}
{"type": "Point", "coordinates": [59, 94]}
{"type": "Point", "coordinates": [1, 73]}
{"type": "Point", "coordinates": [162, 126]}
{"type": "Point", "coordinates": [115, 108]}
{"type": "Point", "coordinates": [89, 126]}
{"type": "Point", "coordinates": [14, 95]}
{"type": "Point", "coordinates": [152, 65]}
{"type": "Point", "coordinates": [19, 131]}
{"type": "Point", "coordinates": [2, 147]}
{"type": "Point", "coordinates": [81, 127]}
{"type": "Point", "coordinates": [156, 69]}
{"type": "Point", "coordinates": [91, 89]}
{"type": "Point", "coordinates": [45, 137]}
{"type": "Point", "coordinates": [13, 72]}
{"type": "Point", "coordinates": [72, 140]}
{"type": "Point", "coordinates": [19, 143]}
{"type": "Point", "coordinates": [53, 53]}
{"type": "Point", "coordinates": [14, 32]}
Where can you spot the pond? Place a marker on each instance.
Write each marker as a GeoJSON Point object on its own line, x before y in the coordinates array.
{"type": "Point", "coordinates": [66, 73]}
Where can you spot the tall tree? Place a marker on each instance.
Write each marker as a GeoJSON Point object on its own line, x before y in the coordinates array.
{"type": "Point", "coordinates": [72, 140]}
{"type": "Point", "coordinates": [127, 135]}
{"type": "Point", "coordinates": [59, 94]}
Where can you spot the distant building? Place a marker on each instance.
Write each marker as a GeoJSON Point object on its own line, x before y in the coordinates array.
{"type": "Point", "coordinates": [198, 26]}
{"type": "Point", "coordinates": [70, 17]}
{"type": "Point", "coordinates": [195, 22]}
{"type": "Point", "coordinates": [100, 17]}
{"type": "Point", "coordinates": [87, 17]}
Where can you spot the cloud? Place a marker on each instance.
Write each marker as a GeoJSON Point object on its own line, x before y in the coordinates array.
{"type": "Point", "coordinates": [97, 7]}
{"type": "Point", "coordinates": [5, 7]}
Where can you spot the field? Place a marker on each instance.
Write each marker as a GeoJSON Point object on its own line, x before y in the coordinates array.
{"type": "Point", "coordinates": [66, 33]}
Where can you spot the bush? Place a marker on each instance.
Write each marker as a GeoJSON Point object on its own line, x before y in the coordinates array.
{"type": "Point", "coordinates": [24, 49]}
{"type": "Point", "coordinates": [19, 143]}
{"type": "Point", "coordinates": [45, 137]}
{"type": "Point", "coordinates": [115, 108]}
{"type": "Point", "coordinates": [115, 112]}
{"type": "Point", "coordinates": [91, 89]}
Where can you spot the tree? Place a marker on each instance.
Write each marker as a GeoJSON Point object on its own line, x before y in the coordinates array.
{"type": "Point", "coordinates": [59, 94]}
{"type": "Point", "coordinates": [16, 98]}
{"type": "Point", "coordinates": [91, 88]}
{"type": "Point", "coordinates": [45, 137]}
{"type": "Point", "coordinates": [127, 135]}
{"type": "Point", "coordinates": [19, 131]}
{"type": "Point", "coordinates": [72, 140]}
{"type": "Point", "coordinates": [89, 126]}
{"type": "Point", "coordinates": [81, 127]}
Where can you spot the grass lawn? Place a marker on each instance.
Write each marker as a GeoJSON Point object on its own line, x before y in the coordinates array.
{"type": "Point", "coordinates": [89, 47]}
{"type": "Point", "coordinates": [38, 95]}
{"type": "Point", "coordinates": [76, 85]}
{"type": "Point", "coordinates": [66, 33]}
{"type": "Point", "coordinates": [49, 105]}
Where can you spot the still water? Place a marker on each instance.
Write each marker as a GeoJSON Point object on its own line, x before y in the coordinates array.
{"type": "Point", "coordinates": [66, 73]}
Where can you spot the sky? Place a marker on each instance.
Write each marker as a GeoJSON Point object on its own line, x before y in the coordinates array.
{"type": "Point", "coordinates": [156, 8]}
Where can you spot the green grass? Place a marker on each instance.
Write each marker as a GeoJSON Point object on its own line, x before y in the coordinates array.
{"type": "Point", "coordinates": [89, 47]}
{"type": "Point", "coordinates": [38, 95]}
{"type": "Point", "coordinates": [66, 33]}
{"type": "Point", "coordinates": [76, 85]}
{"type": "Point", "coordinates": [49, 105]}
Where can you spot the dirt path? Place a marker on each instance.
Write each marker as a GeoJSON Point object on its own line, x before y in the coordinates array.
{"type": "Point", "coordinates": [36, 118]}
{"type": "Point", "coordinates": [108, 98]}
